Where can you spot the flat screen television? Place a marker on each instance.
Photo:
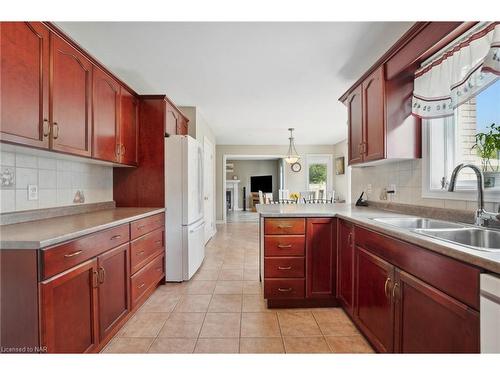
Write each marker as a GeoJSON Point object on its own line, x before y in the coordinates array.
{"type": "Point", "coordinates": [263, 183]}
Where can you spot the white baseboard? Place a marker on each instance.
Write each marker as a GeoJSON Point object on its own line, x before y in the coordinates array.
{"type": "Point", "coordinates": [220, 222]}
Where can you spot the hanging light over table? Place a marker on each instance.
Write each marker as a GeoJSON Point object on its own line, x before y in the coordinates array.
{"type": "Point", "coordinates": [292, 155]}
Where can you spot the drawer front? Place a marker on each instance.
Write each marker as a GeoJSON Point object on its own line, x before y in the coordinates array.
{"type": "Point", "coordinates": [276, 246]}
{"type": "Point", "coordinates": [283, 267]}
{"type": "Point", "coordinates": [146, 225]}
{"type": "Point", "coordinates": [284, 288]}
{"type": "Point", "coordinates": [145, 248]}
{"type": "Point", "coordinates": [285, 226]}
{"type": "Point", "coordinates": [59, 258]}
{"type": "Point", "coordinates": [147, 277]}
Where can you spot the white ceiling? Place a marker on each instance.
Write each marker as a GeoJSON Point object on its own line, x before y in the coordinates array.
{"type": "Point", "coordinates": [251, 81]}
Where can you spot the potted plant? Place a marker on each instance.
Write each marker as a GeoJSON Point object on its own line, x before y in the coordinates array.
{"type": "Point", "coordinates": [487, 146]}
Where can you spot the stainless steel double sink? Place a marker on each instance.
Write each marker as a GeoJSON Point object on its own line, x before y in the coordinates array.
{"type": "Point", "coordinates": [477, 238]}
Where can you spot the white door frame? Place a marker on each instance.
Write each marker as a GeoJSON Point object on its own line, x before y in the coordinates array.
{"type": "Point", "coordinates": [209, 171]}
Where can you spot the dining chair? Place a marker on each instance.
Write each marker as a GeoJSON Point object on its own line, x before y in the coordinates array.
{"type": "Point", "coordinates": [283, 194]}
{"type": "Point", "coordinates": [261, 197]}
{"type": "Point", "coordinates": [307, 195]}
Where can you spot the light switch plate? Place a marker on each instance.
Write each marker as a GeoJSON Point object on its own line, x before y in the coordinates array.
{"type": "Point", "coordinates": [32, 192]}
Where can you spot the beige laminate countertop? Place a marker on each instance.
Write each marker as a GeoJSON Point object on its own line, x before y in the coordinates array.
{"type": "Point", "coordinates": [363, 216]}
{"type": "Point", "coordinates": [42, 233]}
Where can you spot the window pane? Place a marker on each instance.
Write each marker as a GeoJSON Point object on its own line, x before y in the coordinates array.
{"type": "Point", "coordinates": [318, 177]}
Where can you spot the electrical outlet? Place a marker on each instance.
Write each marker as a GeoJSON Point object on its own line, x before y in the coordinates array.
{"type": "Point", "coordinates": [32, 192]}
{"type": "Point", "coordinates": [368, 189]}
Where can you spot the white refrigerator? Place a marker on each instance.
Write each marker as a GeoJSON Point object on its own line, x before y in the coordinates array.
{"type": "Point", "coordinates": [185, 226]}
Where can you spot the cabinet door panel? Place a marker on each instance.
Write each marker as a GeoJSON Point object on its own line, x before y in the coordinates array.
{"type": "Point", "coordinates": [321, 257]}
{"type": "Point", "coordinates": [429, 321]}
{"type": "Point", "coordinates": [172, 120]}
{"type": "Point", "coordinates": [345, 280]}
{"type": "Point", "coordinates": [355, 127]}
{"type": "Point", "coordinates": [128, 127]}
{"type": "Point", "coordinates": [106, 95]}
{"type": "Point", "coordinates": [113, 268]}
{"type": "Point", "coordinates": [374, 309]}
{"type": "Point", "coordinates": [374, 116]}
{"type": "Point", "coordinates": [71, 93]}
{"type": "Point", "coordinates": [24, 77]}
{"type": "Point", "coordinates": [68, 306]}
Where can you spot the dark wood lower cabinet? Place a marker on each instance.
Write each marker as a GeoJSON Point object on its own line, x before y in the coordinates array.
{"type": "Point", "coordinates": [321, 257]}
{"type": "Point", "coordinates": [345, 265]}
{"type": "Point", "coordinates": [114, 295]}
{"type": "Point", "coordinates": [429, 321]}
{"type": "Point", "coordinates": [374, 310]}
{"type": "Point", "coordinates": [69, 310]}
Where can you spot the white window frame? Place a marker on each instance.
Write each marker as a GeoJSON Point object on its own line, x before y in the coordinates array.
{"type": "Point", "coordinates": [320, 159]}
{"type": "Point", "coordinates": [462, 192]}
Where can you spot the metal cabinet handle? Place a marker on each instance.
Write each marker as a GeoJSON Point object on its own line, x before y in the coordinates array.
{"type": "Point", "coordinates": [140, 252]}
{"type": "Point", "coordinates": [349, 239]}
{"type": "Point", "coordinates": [117, 149]}
{"type": "Point", "coordinates": [159, 241]}
{"type": "Point", "coordinates": [102, 275]}
{"type": "Point", "coordinates": [141, 286]}
{"type": "Point", "coordinates": [95, 279]}
{"type": "Point", "coordinates": [285, 289]}
{"type": "Point", "coordinates": [123, 149]}
{"type": "Point", "coordinates": [387, 282]}
{"type": "Point", "coordinates": [140, 227]}
{"type": "Point", "coordinates": [396, 286]}
{"type": "Point", "coordinates": [116, 236]}
{"type": "Point", "coordinates": [55, 130]}
{"type": "Point", "coordinates": [284, 246]}
{"type": "Point", "coordinates": [46, 127]}
{"type": "Point", "coordinates": [284, 226]}
{"type": "Point", "coordinates": [73, 254]}
{"type": "Point", "coordinates": [284, 268]}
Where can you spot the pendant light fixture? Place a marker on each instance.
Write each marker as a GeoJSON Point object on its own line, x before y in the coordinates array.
{"type": "Point", "coordinates": [292, 155]}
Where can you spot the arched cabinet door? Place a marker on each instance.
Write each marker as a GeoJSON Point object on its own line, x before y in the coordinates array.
{"type": "Point", "coordinates": [106, 99]}
{"type": "Point", "coordinates": [71, 99]}
{"type": "Point", "coordinates": [24, 77]}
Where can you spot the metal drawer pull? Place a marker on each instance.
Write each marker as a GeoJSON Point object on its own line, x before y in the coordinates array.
{"type": "Point", "coordinates": [284, 268]}
{"type": "Point", "coordinates": [284, 246]}
{"type": "Point", "coordinates": [159, 241]}
{"type": "Point", "coordinates": [46, 127]}
{"type": "Point", "coordinates": [160, 269]}
{"type": "Point", "coordinates": [387, 281]}
{"type": "Point", "coordinates": [73, 254]}
{"type": "Point", "coordinates": [283, 226]}
{"type": "Point", "coordinates": [55, 134]}
{"type": "Point", "coordinates": [285, 289]}
{"type": "Point", "coordinates": [140, 227]}
{"type": "Point", "coordinates": [116, 236]}
{"type": "Point", "coordinates": [140, 252]}
{"type": "Point", "coordinates": [95, 280]}
{"type": "Point", "coordinates": [141, 286]}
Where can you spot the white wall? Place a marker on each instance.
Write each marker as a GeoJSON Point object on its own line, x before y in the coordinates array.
{"type": "Point", "coordinates": [57, 176]}
{"type": "Point", "coordinates": [295, 182]}
{"type": "Point", "coordinates": [244, 169]}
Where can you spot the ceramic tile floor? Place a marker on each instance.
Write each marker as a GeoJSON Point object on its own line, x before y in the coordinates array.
{"type": "Point", "coordinates": [222, 310]}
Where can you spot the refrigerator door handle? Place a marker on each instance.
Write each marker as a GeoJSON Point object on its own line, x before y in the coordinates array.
{"type": "Point", "coordinates": [197, 228]}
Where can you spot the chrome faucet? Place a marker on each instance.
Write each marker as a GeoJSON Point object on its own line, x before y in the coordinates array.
{"type": "Point", "coordinates": [482, 216]}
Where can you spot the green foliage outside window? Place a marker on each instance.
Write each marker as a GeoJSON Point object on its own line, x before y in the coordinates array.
{"type": "Point", "coordinates": [317, 173]}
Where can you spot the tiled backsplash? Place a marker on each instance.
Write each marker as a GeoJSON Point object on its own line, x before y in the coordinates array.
{"type": "Point", "coordinates": [58, 179]}
{"type": "Point", "coordinates": [407, 176]}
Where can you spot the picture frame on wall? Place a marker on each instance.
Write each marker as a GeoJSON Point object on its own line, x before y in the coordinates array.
{"type": "Point", "coordinates": [339, 165]}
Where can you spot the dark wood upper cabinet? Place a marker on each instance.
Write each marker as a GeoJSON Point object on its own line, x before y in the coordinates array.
{"type": "Point", "coordinates": [129, 121]}
{"type": "Point", "coordinates": [106, 105]}
{"type": "Point", "coordinates": [374, 309]}
{"type": "Point", "coordinates": [321, 257]}
{"type": "Point", "coordinates": [24, 73]}
{"type": "Point", "coordinates": [114, 296]}
{"type": "Point", "coordinates": [374, 116]}
{"type": "Point", "coordinates": [429, 321]}
{"type": "Point", "coordinates": [70, 99]}
{"type": "Point", "coordinates": [345, 259]}
{"type": "Point", "coordinates": [355, 117]}
{"type": "Point", "coordinates": [68, 310]}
